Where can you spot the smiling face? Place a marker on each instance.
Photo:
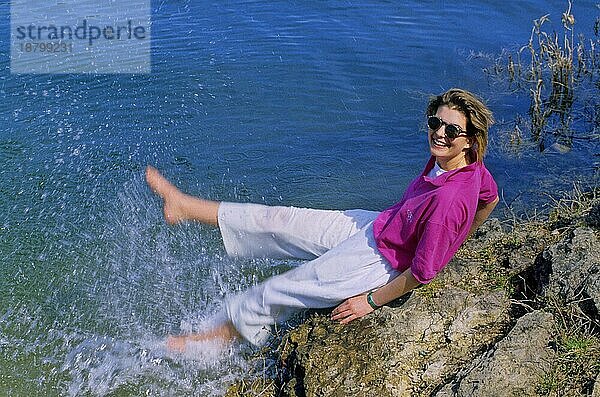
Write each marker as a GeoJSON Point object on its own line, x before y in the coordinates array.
{"type": "Point", "coordinates": [449, 154]}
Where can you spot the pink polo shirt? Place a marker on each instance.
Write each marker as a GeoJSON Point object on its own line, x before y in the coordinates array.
{"type": "Point", "coordinates": [424, 230]}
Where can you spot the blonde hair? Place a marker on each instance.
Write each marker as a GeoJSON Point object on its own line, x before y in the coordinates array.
{"type": "Point", "coordinates": [479, 116]}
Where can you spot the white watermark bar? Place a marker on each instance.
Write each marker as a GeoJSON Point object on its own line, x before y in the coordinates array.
{"type": "Point", "coordinates": [80, 36]}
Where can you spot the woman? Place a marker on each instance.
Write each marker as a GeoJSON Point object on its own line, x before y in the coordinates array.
{"type": "Point", "coordinates": [359, 260]}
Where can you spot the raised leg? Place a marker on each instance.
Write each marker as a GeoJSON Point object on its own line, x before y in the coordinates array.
{"type": "Point", "coordinates": [178, 206]}
{"type": "Point", "coordinates": [260, 231]}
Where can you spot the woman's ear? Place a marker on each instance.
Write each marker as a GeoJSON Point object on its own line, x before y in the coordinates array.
{"type": "Point", "coordinates": [470, 143]}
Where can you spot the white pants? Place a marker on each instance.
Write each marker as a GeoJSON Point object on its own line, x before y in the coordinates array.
{"type": "Point", "coordinates": [344, 261]}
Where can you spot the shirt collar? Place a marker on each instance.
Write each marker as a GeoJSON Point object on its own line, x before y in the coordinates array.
{"type": "Point", "coordinates": [459, 174]}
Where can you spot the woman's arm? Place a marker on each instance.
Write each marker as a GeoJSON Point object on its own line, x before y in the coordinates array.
{"type": "Point", "coordinates": [357, 306]}
{"type": "Point", "coordinates": [483, 211]}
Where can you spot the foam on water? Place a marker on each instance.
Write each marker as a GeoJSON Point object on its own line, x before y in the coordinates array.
{"type": "Point", "coordinates": [103, 329]}
{"type": "Point", "coordinates": [156, 280]}
{"type": "Point", "coordinates": [101, 365]}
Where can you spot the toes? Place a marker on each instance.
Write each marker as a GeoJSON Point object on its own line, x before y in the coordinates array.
{"type": "Point", "coordinates": [152, 176]}
{"type": "Point", "coordinates": [156, 181]}
{"type": "Point", "coordinates": [150, 170]}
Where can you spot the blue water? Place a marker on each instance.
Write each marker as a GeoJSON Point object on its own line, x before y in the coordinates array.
{"type": "Point", "coordinates": [308, 104]}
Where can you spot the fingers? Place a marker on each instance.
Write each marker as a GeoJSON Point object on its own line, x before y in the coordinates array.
{"type": "Point", "coordinates": [346, 320]}
{"type": "Point", "coordinates": [351, 309]}
{"type": "Point", "coordinates": [339, 314]}
{"type": "Point", "coordinates": [341, 310]}
{"type": "Point", "coordinates": [344, 317]}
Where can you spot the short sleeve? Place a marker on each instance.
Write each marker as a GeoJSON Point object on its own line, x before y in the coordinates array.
{"type": "Point", "coordinates": [489, 190]}
{"type": "Point", "coordinates": [434, 250]}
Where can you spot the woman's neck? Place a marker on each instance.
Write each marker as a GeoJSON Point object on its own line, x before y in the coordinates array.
{"type": "Point", "coordinates": [454, 163]}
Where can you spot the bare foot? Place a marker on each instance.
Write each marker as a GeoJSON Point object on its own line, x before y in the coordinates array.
{"type": "Point", "coordinates": [178, 206]}
{"type": "Point", "coordinates": [173, 198]}
{"type": "Point", "coordinates": [222, 334]}
{"type": "Point", "coordinates": [176, 343]}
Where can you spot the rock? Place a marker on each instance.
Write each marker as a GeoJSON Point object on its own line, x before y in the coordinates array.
{"type": "Point", "coordinates": [513, 367]}
{"type": "Point", "coordinates": [515, 250]}
{"type": "Point", "coordinates": [402, 351]}
{"type": "Point", "coordinates": [592, 219]}
{"type": "Point", "coordinates": [490, 230]}
{"type": "Point", "coordinates": [596, 391]}
{"type": "Point", "coordinates": [574, 267]}
{"type": "Point", "coordinates": [557, 148]}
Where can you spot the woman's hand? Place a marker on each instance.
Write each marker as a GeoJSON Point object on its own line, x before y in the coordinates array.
{"type": "Point", "coordinates": [351, 309]}
{"type": "Point", "coordinates": [358, 306]}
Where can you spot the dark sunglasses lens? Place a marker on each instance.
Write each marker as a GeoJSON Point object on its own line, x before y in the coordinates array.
{"type": "Point", "coordinates": [452, 131]}
{"type": "Point", "coordinates": [434, 123]}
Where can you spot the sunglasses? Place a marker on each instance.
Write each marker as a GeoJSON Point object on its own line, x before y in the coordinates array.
{"type": "Point", "coordinates": [453, 131]}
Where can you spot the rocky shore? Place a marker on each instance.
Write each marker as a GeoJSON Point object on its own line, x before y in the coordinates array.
{"type": "Point", "coordinates": [516, 313]}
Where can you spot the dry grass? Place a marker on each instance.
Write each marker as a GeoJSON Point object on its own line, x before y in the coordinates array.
{"type": "Point", "coordinates": [573, 208]}
{"type": "Point", "coordinates": [554, 69]}
{"type": "Point", "coordinates": [577, 362]}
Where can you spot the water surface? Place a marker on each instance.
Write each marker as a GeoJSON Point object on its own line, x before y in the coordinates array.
{"type": "Point", "coordinates": [289, 103]}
